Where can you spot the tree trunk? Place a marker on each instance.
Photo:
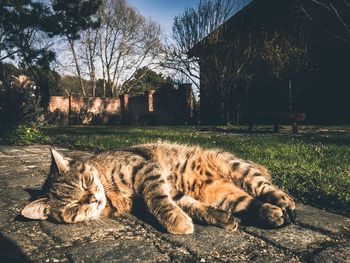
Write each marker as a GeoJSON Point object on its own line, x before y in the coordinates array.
{"type": "Point", "coordinates": [77, 67]}
{"type": "Point", "coordinates": [93, 79]}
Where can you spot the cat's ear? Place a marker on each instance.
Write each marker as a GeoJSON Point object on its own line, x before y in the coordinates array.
{"type": "Point", "coordinates": [38, 209]}
{"type": "Point", "coordinates": [58, 162]}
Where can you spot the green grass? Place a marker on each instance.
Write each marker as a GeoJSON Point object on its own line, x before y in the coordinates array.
{"type": "Point", "coordinates": [314, 166]}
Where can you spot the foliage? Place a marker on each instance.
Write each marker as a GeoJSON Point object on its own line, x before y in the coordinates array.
{"type": "Point", "coordinates": [288, 60]}
{"type": "Point", "coordinates": [146, 79]}
{"type": "Point", "coordinates": [25, 135]}
{"type": "Point", "coordinates": [19, 102]}
{"type": "Point", "coordinates": [69, 85]}
{"type": "Point", "coordinates": [7, 70]}
{"type": "Point", "coordinates": [314, 167]}
{"type": "Point", "coordinates": [22, 20]}
{"type": "Point", "coordinates": [46, 80]}
{"type": "Point", "coordinates": [26, 26]}
{"type": "Point", "coordinates": [74, 16]}
{"type": "Point", "coordinates": [19, 20]}
{"type": "Point", "coordinates": [284, 55]}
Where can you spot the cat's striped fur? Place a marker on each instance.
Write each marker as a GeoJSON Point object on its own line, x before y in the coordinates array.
{"type": "Point", "coordinates": [178, 184]}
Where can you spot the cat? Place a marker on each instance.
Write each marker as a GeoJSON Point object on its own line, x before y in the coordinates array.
{"type": "Point", "coordinates": [178, 184]}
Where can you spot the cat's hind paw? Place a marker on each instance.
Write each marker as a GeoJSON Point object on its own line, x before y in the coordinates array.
{"type": "Point", "coordinates": [221, 218]}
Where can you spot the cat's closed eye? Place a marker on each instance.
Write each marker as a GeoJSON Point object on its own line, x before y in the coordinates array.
{"type": "Point", "coordinates": [89, 198]}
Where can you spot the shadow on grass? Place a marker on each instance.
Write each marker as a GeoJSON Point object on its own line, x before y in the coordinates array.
{"type": "Point", "coordinates": [128, 130]}
{"type": "Point", "coordinates": [83, 130]}
{"type": "Point", "coordinates": [236, 130]}
{"type": "Point", "coordinates": [340, 139]}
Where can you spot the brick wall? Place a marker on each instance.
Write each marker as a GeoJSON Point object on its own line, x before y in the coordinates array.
{"type": "Point", "coordinates": [78, 110]}
{"type": "Point", "coordinates": [167, 106]}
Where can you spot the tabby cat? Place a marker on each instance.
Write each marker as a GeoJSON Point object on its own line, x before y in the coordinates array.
{"type": "Point", "coordinates": [177, 183]}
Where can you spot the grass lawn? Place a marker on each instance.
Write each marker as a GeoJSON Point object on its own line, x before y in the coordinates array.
{"type": "Point", "coordinates": [313, 166]}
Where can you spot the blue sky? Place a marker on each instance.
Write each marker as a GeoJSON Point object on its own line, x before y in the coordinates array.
{"type": "Point", "coordinates": [162, 11]}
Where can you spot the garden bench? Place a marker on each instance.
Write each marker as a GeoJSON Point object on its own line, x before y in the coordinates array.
{"type": "Point", "coordinates": [276, 118]}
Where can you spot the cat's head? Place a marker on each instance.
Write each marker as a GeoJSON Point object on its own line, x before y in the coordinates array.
{"type": "Point", "coordinates": [74, 193]}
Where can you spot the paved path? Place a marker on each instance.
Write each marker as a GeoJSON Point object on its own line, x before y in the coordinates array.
{"type": "Point", "coordinates": [318, 236]}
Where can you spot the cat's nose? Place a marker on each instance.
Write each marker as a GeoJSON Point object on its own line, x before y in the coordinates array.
{"type": "Point", "coordinates": [99, 203]}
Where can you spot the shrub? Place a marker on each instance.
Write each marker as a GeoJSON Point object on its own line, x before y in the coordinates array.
{"type": "Point", "coordinates": [25, 135]}
{"type": "Point", "coordinates": [19, 102]}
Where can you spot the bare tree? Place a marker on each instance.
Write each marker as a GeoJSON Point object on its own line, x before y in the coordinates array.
{"type": "Point", "coordinates": [331, 16]}
{"type": "Point", "coordinates": [126, 41]}
{"type": "Point", "coordinates": [89, 43]}
{"type": "Point", "coordinates": [191, 27]}
{"type": "Point", "coordinates": [228, 67]}
{"type": "Point", "coordinates": [288, 59]}
{"type": "Point", "coordinates": [123, 42]}
{"type": "Point", "coordinates": [71, 43]}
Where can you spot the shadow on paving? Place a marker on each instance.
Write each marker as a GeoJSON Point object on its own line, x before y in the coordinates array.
{"type": "Point", "coordinates": [10, 252]}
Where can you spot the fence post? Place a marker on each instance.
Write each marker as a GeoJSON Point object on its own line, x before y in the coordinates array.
{"type": "Point", "coordinates": [151, 100]}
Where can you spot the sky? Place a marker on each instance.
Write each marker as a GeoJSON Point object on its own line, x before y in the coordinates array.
{"type": "Point", "coordinates": [162, 11]}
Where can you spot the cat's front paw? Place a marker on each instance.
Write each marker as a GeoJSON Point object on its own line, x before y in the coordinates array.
{"type": "Point", "coordinates": [272, 215]}
{"type": "Point", "coordinates": [182, 224]}
{"type": "Point", "coordinates": [283, 201]}
{"type": "Point", "coordinates": [287, 204]}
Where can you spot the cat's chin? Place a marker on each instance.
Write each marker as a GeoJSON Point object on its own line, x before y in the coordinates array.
{"type": "Point", "coordinates": [95, 215]}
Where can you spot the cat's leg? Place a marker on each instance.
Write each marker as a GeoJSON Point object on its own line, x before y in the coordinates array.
{"type": "Point", "coordinates": [255, 180]}
{"type": "Point", "coordinates": [227, 196]}
{"type": "Point", "coordinates": [206, 214]}
{"type": "Point", "coordinates": [156, 193]}
{"type": "Point", "coordinates": [117, 204]}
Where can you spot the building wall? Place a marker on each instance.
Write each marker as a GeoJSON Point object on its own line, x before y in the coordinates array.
{"type": "Point", "coordinates": [164, 106]}
{"type": "Point", "coordinates": [321, 91]}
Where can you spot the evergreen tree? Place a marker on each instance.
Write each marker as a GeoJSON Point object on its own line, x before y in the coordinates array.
{"type": "Point", "coordinates": [24, 23]}
{"type": "Point", "coordinates": [146, 79]}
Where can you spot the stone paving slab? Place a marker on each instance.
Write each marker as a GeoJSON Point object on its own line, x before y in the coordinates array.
{"type": "Point", "coordinates": [337, 254]}
{"type": "Point", "coordinates": [293, 237]}
{"type": "Point", "coordinates": [317, 236]}
{"type": "Point", "coordinates": [323, 220]}
{"type": "Point", "coordinates": [126, 251]}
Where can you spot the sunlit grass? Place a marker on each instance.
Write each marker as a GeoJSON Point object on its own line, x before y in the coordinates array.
{"type": "Point", "coordinates": [314, 167]}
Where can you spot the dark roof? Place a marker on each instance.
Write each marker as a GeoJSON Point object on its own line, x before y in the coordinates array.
{"type": "Point", "coordinates": [228, 22]}
{"type": "Point", "coordinates": [256, 7]}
